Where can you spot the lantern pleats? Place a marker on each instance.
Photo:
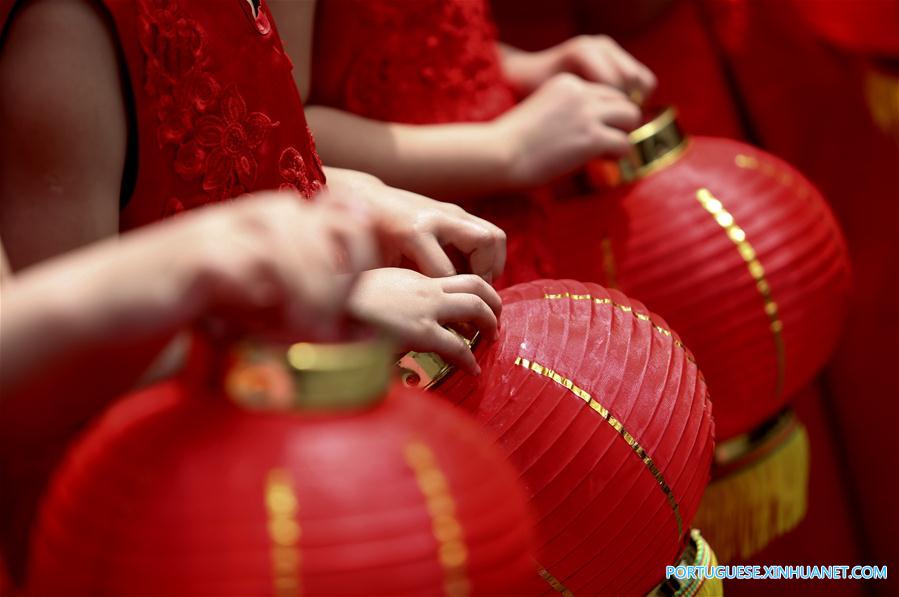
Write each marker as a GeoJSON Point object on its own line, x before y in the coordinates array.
{"type": "Point", "coordinates": [743, 257]}
{"type": "Point", "coordinates": [173, 493]}
{"type": "Point", "coordinates": [603, 412]}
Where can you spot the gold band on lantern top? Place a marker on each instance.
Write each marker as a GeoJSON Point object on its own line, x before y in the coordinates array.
{"type": "Point", "coordinates": [425, 370]}
{"type": "Point", "coordinates": [654, 145]}
{"type": "Point", "coordinates": [305, 376]}
{"type": "Point", "coordinates": [738, 236]}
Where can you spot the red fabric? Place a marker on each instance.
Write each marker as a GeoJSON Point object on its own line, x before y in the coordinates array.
{"type": "Point", "coordinates": [670, 251]}
{"type": "Point", "coordinates": [218, 113]}
{"type": "Point", "coordinates": [166, 495]}
{"type": "Point", "coordinates": [425, 62]}
{"type": "Point", "coordinates": [870, 27]}
{"type": "Point", "coordinates": [605, 526]}
{"type": "Point", "coordinates": [817, 116]}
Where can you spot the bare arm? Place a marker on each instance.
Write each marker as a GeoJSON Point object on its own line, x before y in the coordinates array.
{"type": "Point", "coordinates": [62, 131]}
{"type": "Point", "coordinates": [267, 262]}
{"type": "Point", "coordinates": [442, 161]}
{"type": "Point", "coordinates": [596, 58]}
{"type": "Point", "coordinates": [438, 161]}
{"type": "Point", "coordinates": [570, 123]}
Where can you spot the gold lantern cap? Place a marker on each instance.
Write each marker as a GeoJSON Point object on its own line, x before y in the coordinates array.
{"type": "Point", "coordinates": [303, 376]}
{"type": "Point", "coordinates": [425, 370]}
{"type": "Point", "coordinates": [654, 145]}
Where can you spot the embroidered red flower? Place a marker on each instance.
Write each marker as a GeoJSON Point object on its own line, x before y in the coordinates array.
{"type": "Point", "coordinates": [296, 175]}
{"type": "Point", "coordinates": [225, 145]}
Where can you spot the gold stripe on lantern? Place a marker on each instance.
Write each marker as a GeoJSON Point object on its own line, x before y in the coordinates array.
{"type": "Point", "coordinates": [738, 236]}
{"type": "Point", "coordinates": [284, 533]}
{"type": "Point", "coordinates": [442, 509]}
{"type": "Point", "coordinates": [554, 582]}
{"type": "Point", "coordinates": [625, 309]}
{"type": "Point", "coordinates": [615, 424]}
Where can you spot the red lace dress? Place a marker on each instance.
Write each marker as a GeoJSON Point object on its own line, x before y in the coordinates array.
{"type": "Point", "coordinates": [425, 62]}
{"type": "Point", "coordinates": [215, 113]}
{"type": "Point", "coordinates": [216, 110]}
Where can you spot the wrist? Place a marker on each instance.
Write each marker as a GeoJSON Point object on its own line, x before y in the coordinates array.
{"type": "Point", "coordinates": [505, 143]}
{"type": "Point", "coordinates": [528, 70]}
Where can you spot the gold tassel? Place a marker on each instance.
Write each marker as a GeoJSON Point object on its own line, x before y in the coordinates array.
{"type": "Point", "coordinates": [758, 495]}
{"type": "Point", "coordinates": [709, 587]}
{"type": "Point", "coordinates": [696, 553]}
{"type": "Point", "coordinates": [882, 94]}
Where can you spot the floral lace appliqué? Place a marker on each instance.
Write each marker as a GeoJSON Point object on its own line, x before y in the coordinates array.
{"type": "Point", "coordinates": [426, 61]}
{"type": "Point", "coordinates": [214, 135]}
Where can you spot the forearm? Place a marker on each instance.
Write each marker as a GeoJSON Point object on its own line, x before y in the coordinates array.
{"type": "Point", "coordinates": [527, 70]}
{"type": "Point", "coordinates": [443, 161]}
{"type": "Point", "coordinates": [97, 298]}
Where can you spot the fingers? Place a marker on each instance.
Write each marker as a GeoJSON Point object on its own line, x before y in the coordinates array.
{"type": "Point", "coordinates": [468, 308]}
{"type": "Point", "coordinates": [621, 114]}
{"type": "Point", "coordinates": [471, 284]}
{"type": "Point", "coordinates": [452, 348]}
{"type": "Point", "coordinates": [634, 76]}
{"type": "Point", "coordinates": [483, 243]}
{"type": "Point", "coordinates": [354, 241]}
{"type": "Point", "coordinates": [425, 251]}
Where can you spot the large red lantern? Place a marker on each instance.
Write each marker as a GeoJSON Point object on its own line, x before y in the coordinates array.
{"type": "Point", "coordinates": [743, 257]}
{"type": "Point", "coordinates": [604, 413]}
{"type": "Point", "coordinates": [339, 491]}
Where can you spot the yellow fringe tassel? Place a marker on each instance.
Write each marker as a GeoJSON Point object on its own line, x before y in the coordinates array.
{"type": "Point", "coordinates": [709, 587]}
{"type": "Point", "coordinates": [696, 553]}
{"type": "Point", "coordinates": [882, 93]}
{"type": "Point", "coordinates": [743, 511]}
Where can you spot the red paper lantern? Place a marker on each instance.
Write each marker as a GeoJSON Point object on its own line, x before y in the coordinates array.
{"type": "Point", "coordinates": [743, 257]}
{"type": "Point", "coordinates": [182, 492]}
{"type": "Point", "coordinates": [739, 253]}
{"type": "Point", "coordinates": [604, 414]}
{"type": "Point", "coordinates": [869, 28]}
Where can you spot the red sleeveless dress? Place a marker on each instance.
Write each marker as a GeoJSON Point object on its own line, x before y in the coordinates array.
{"type": "Point", "coordinates": [216, 111]}
{"type": "Point", "coordinates": [426, 62]}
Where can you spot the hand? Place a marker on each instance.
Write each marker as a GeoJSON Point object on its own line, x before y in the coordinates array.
{"type": "Point", "coordinates": [413, 309]}
{"type": "Point", "coordinates": [563, 125]}
{"type": "Point", "coordinates": [595, 58]}
{"type": "Point", "coordinates": [267, 263]}
{"type": "Point", "coordinates": [276, 261]}
{"type": "Point", "coordinates": [419, 229]}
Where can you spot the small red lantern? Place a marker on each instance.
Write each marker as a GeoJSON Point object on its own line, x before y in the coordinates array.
{"type": "Point", "coordinates": [743, 257]}
{"type": "Point", "coordinates": [604, 414]}
{"type": "Point", "coordinates": [324, 487]}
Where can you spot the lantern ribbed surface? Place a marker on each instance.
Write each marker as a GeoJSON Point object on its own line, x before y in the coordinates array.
{"type": "Point", "coordinates": [743, 257]}
{"type": "Point", "coordinates": [603, 412]}
{"type": "Point", "coordinates": [174, 493]}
